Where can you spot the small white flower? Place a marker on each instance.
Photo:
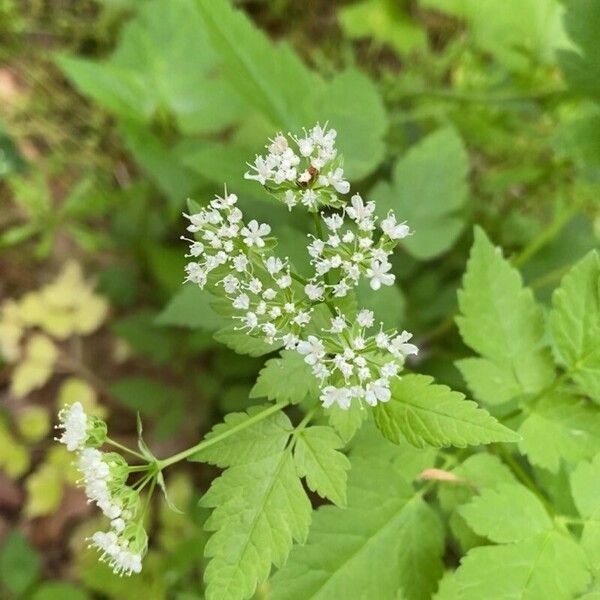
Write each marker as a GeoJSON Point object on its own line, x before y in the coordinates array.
{"type": "Point", "coordinates": [313, 291]}
{"type": "Point", "coordinates": [315, 249]}
{"type": "Point", "coordinates": [74, 423]}
{"type": "Point", "coordinates": [302, 318]}
{"type": "Point", "coordinates": [242, 302]}
{"type": "Point", "coordinates": [284, 282]}
{"type": "Point", "coordinates": [336, 180]}
{"type": "Point", "coordinates": [338, 324]}
{"type": "Point", "coordinates": [195, 274]}
{"type": "Point", "coordinates": [395, 231]}
{"type": "Point", "coordinates": [390, 369]}
{"type": "Point", "coordinates": [382, 340]}
{"type": "Point", "coordinates": [290, 341]}
{"type": "Point", "coordinates": [340, 396]}
{"type": "Point", "coordinates": [251, 320]}
{"type": "Point", "coordinates": [377, 391]}
{"type": "Point", "coordinates": [378, 274]}
{"type": "Point", "coordinates": [230, 284]}
{"type": "Point", "coordinates": [273, 265]}
{"type": "Point", "coordinates": [263, 171]}
{"type": "Point", "coordinates": [254, 233]}
{"type": "Point", "coordinates": [309, 198]}
{"type": "Point", "coordinates": [358, 209]}
{"type": "Point", "coordinates": [365, 318]}
{"type": "Point", "coordinates": [255, 285]}
{"type": "Point", "coordinates": [240, 262]}
{"type": "Point", "coordinates": [290, 200]}
{"type": "Point", "coordinates": [334, 222]}
{"type": "Point", "coordinates": [399, 344]}
{"type": "Point", "coordinates": [269, 294]}
{"type": "Point", "coordinates": [312, 349]}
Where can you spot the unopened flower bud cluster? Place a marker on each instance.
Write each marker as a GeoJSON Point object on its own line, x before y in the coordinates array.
{"type": "Point", "coordinates": [302, 170]}
{"type": "Point", "coordinates": [350, 360]}
{"type": "Point", "coordinates": [103, 477]}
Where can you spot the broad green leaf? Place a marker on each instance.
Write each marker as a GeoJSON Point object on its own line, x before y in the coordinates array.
{"type": "Point", "coordinates": [476, 473]}
{"type": "Point", "coordinates": [501, 320]}
{"type": "Point", "coordinates": [250, 436]}
{"type": "Point", "coordinates": [117, 89]}
{"type": "Point", "coordinates": [585, 487]}
{"type": "Point", "coordinates": [242, 343]}
{"type": "Point", "coordinates": [286, 379]}
{"type": "Point", "coordinates": [386, 21]}
{"type": "Point", "coordinates": [347, 422]}
{"type": "Point", "coordinates": [560, 428]}
{"type": "Point", "coordinates": [549, 565]}
{"type": "Point", "coordinates": [191, 307]}
{"type": "Point", "coordinates": [581, 65]}
{"type": "Point", "coordinates": [19, 564]}
{"type": "Point", "coordinates": [387, 539]}
{"type": "Point", "coordinates": [507, 513]}
{"type": "Point", "coordinates": [575, 323]}
{"type": "Point", "coordinates": [489, 382]}
{"type": "Point", "coordinates": [519, 34]}
{"type": "Point", "coordinates": [260, 509]}
{"type": "Point", "coordinates": [352, 105]}
{"type": "Point", "coordinates": [427, 414]}
{"type": "Point", "coordinates": [429, 189]}
{"type": "Point", "coordinates": [317, 458]}
{"type": "Point", "coordinates": [270, 78]}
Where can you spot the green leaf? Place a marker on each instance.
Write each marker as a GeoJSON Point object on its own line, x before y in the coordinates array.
{"type": "Point", "coordinates": [581, 66]}
{"type": "Point", "coordinates": [429, 189]}
{"type": "Point", "coordinates": [519, 34]}
{"type": "Point", "coordinates": [585, 487]}
{"type": "Point", "coordinates": [560, 428]}
{"type": "Point", "coordinates": [549, 565]}
{"type": "Point", "coordinates": [19, 564]}
{"type": "Point", "coordinates": [191, 307]}
{"type": "Point", "coordinates": [271, 79]}
{"type": "Point", "coordinates": [575, 323]}
{"type": "Point", "coordinates": [501, 321]}
{"type": "Point", "coordinates": [317, 458]}
{"type": "Point", "coordinates": [476, 473]}
{"type": "Point", "coordinates": [250, 437]}
{"type": "Point", "coordinates": [386, 21]}
{"type": "Point", "coordinates": [260, 509]}
{"type": "Point", "coordinates": [508, 513]}
{"type": "Point", "coordinates": [385, 540]}
{"type": "Point", "coordinates": [428, 414]}
{"type": "Point", "coordinates": [352, 105]}
{"type": "Point", "coordinates": [347, 422]}
{"type": "Point", "coordinates": [117, 89]}
{"type": "Point", "coordinates": [286, 379]}
{"type": "Point", "coordinates": [243, 343]}
{"type": "Point", "coordinates": [489, 382]}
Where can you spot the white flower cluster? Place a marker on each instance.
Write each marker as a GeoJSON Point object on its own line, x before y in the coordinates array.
{"type": "Point", "coordinates": [351, 250]}
{"type": "Point", "coordinates": [277, 305]}
{"type": "Point", "coordinates": [103, 477]}
{"type": "Point", "coordinates": [310, 173]}
{"type": "Point", "coordinates": [259, 285]}
{"type": "Point", "coordinates": [350, 363]}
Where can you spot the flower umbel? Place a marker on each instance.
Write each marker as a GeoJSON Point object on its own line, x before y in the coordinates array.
{"type": "Point", "coordinates": [270, 301]}
{"type": "Point", "coordinates": [103, 477]}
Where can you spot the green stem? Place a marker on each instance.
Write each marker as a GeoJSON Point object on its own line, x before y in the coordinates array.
{"type": "Point", "coordinates": [139, 469]}
{"type": "Point", "coordinates": [125, 449]}
{"type": "Point", "coordinates": [484, 98]}
{"type": "Point", "coordinates": [162, 464]}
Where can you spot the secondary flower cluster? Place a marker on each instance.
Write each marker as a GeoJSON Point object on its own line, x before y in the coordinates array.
{"type": "Point", "coordinates": [232, 256]}
{"type": "Point", "coordinates": [310, 173]}
{"type": "Point", "coordinates": [350, 250]}
{"type": "Point", "coordinates": [350, 363]}
{"type": "Point", "coordinates": [279, 306]}
{"type": "Point", "coordinates": [103, 476]}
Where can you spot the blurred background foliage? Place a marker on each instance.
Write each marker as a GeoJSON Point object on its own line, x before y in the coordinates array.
{"type": "Point", "coordinates": [451, 112]}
